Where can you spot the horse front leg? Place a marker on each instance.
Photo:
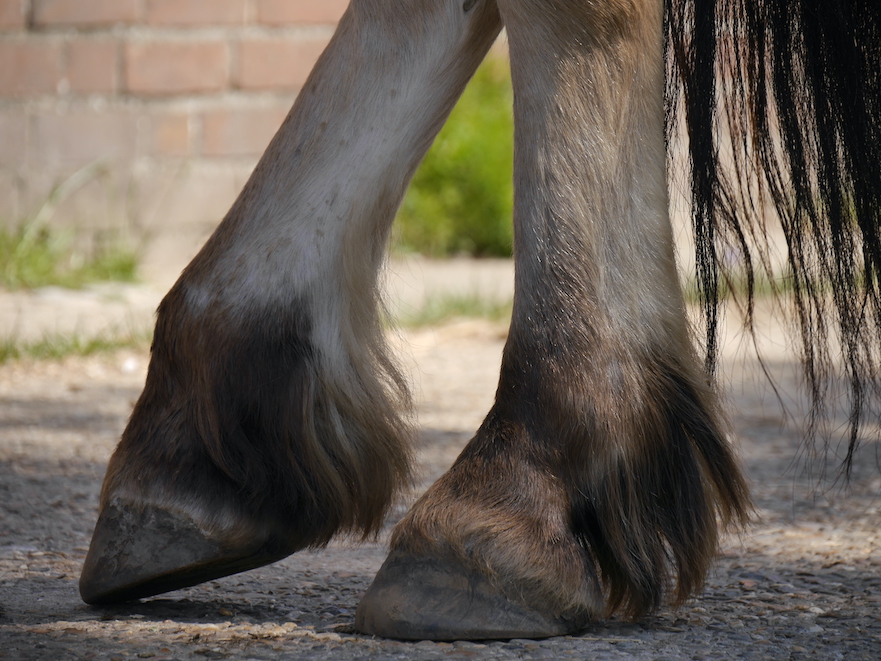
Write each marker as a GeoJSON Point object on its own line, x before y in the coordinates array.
{"type": "Point", "coordinates": [270, 419]}
{"type": "Point", "coordinates": [595, 483]}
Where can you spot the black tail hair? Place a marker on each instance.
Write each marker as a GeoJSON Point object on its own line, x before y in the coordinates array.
{"type": "Point", "coordinates": [795, 85]}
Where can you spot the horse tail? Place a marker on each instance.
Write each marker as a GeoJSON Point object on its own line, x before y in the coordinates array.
{"type": "Point", "coordinates": [781, 102]}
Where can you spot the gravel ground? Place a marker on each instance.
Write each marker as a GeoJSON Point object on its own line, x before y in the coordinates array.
{"type": "Point", "coordinates": [803, 583]}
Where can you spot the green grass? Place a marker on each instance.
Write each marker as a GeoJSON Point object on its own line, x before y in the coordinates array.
{"type": "Point", "coordinates": [460, 200]}
{"type": "Point", "coordinates": [37, 254]}
{"type": "Point", "coordinates": [734, 287]}
{"type": "Point", "coordinates": [439, 309]}
{"type": "Point", "coordinates": [31, 258]}
{"type": "Point", "coordinates": [58, 345]}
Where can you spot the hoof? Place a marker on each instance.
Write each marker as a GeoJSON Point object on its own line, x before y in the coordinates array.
{"type": "Point", "coordinates": [139, 551]}
{"type": "Point", "coordinates": [417, 598]}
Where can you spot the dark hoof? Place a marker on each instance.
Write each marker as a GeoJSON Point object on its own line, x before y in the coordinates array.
{"type": "Point", "coordinates": [138, 551]}
{"type": "Point", "coordinates": [416, 598]}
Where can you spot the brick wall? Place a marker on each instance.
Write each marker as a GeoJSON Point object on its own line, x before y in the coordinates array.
{"type": "Point", "coordinates": [168, 102]}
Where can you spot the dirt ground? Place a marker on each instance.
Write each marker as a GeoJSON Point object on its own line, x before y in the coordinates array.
{"type": "Point", "coordinates": [803, 583]}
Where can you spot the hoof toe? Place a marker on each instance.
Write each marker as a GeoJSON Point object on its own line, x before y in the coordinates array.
{"type": "Point", "coordinates": [138, 551]}
{"type": "Point", "coordinates": [416, 598]}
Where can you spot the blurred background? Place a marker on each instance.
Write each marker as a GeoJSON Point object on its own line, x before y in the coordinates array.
{"type": "Point", "coordinates": [127, 128]}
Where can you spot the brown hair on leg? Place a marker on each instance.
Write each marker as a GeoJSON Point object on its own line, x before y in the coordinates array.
{"type": "Point", "coordinates": [271, 417]}
{"type": "Point", "coordinates": [600, 477]}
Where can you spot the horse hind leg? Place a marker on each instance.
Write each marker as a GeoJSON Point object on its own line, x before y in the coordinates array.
{"type": "Point", "coordinates": [598, 476]}
{"type": "Point", "coordinates": [270, 419]}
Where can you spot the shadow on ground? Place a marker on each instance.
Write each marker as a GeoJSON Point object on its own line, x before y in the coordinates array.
{"type": "Point", "coordinates": [803, 583]}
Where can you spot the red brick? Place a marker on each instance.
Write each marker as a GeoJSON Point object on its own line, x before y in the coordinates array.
{"type": "Point", "coordinates": [13, 137]}
{"type": "Point", "coordinates": [11, 198]}
{"type": "Point", "coordinates": [240, 132]}
{"type": "Point", "coordinates": [81, 137]}
{"type": "Point", "coordinates": [29, 68]}
{"type": "Point", "coordinates": [12, 14]}
{"type": "Point", "coordinates": [172, 67]}
{"type": "Point", "coordinates": [92, 66]}
{"type": "Point", "coordinates": [287, 12]}
{"type": "Point", "coordinates": [276, 64]}
{"type": "Point", "coordinates": [196, 12]}
{"type": "Point", "coordinates": [85, 13]}
{"type": "Point", "coordinates": [171, 135]}
{"type": "Point", "coordinates": [192, 199]}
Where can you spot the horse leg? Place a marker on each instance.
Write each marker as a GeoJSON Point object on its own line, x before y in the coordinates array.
{"type": "Point", "coordinates": [270, 416]}
{"type": "Point", "coordinates": [601, 469]}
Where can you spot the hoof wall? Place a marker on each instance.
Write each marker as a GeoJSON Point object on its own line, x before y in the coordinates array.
{"type": "Point", "coordinates": [139, 551]}
{"type": "Point", "coordinates": [414, 598]}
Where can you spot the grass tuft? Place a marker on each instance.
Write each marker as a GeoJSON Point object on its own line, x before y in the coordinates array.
{"type": "Point", "coordinates": [44, 257]}
{"type": "Point", "coordinates": [439, 309]}
{"type": "Point", "coordinates": [36, 254]}
{"type": "Point", "coordinates": [56, 346]}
